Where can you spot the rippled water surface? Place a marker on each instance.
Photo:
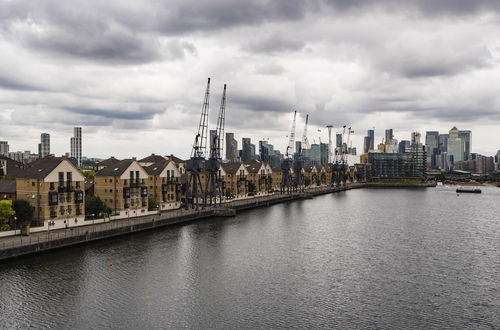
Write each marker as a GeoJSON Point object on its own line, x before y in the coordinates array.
{"type": "Point", "coordinates": [368, 258]}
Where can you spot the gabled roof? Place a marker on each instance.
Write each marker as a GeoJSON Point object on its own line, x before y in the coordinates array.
{"type": "Point", "coordinates": [116, 169]}
{"type": "Point", "coordinates": [253, 166]}
{"type": "Point", "coordinates": [40, 168]}
{"type": "Point", "coordinates": [110, 161]}
{"type": "Point", "coordinates": [231, 168]}
{"type": "Point", "coordinates": [175, 159]}
{"type": "Point", "coordinates": [8, 186]}
{"type": "Point", "coordinates": [157, 168]}
{"type": "Point", "coordinates": [276, 169]}
{"type": "Point", "coordinates": [13, 167]}
{"type": "Point", "coordinates": [308, 168]}
{"type": "Point", "coordinates": [152, 159]}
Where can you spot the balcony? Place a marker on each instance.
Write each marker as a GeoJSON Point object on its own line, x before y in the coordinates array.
{"type": "Point", "coordinates": [126, 192]}
{"type": "Point", "coordinates": [78, 196]}
{"type": "Point", "coordinates": [53, 198]}
{"type": "Point", "coordinates": [144, 191]}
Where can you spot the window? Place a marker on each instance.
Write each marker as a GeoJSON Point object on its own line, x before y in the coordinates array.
{"type": "Point", "coordinates": [61, 179]}
{"type": "Point", "coordinates": [77, 184]}
{"type": "Point", "coordinates": [61, 210]}
{"type": "Point", "coordinates": [61, 198]}
{"type": "Point", "coordinates": [52, 186]}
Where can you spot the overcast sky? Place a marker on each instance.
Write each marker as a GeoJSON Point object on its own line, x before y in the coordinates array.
{"type": "Point", "coordinates": [133, 73]}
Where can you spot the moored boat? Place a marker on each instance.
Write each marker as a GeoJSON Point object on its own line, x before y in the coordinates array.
{"type": "Point", "coordinates": [469, 190]}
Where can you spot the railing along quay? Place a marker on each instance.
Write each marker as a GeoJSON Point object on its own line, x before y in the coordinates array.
{"type": "Point", "coordinates": [13, 246]}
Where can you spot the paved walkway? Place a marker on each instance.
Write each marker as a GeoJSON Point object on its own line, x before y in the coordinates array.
{"type": "Point", "coordinates": [45, 236]}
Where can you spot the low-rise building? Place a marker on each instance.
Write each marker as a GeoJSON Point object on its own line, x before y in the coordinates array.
{"type": "Point", "coordinates": [235, 180]}
{"type": "Point", "coordinates": [55, 189]}
{"type": "Point", "coordinates": [164, 180]}
{"type": "Point", "coordinates": [122, 187]}
{"type": "Point", "coordinates": [7, 190]}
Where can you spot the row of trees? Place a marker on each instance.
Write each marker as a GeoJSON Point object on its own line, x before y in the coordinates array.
{"type": "Point", "coordinates": [15, 214]}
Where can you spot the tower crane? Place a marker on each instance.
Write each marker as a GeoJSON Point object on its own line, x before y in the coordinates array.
{"type": "Point", "coordinates": [305, 141]}
{"type": "Point", "coordinates": [196, 164]}
{"type": "Point", "coordinates": [214, 184]}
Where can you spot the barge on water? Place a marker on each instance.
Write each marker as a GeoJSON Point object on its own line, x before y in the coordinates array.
{"type": "Point", "coordinates": [469, 190]}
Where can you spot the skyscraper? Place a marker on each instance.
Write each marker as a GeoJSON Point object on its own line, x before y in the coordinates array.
{"type": "Point", "coordinates": [369, 141]}
{"type": "Point", "coordinates": [432, 143]}
{"type": "Point", "coordinates": [231, 147]}
{"type": "Point", "coordinates": [76, 146]}
{"type": "Point", "coordinates": [212, 135]}
{"type": "Point", "coordinates": [415, 138]}
{"type": "Point", "coordinates": [443, 143]}
{"type": "Point", "coordinates": [246, 150]}
{"type": "Point", "coordinates": [44, 145]}
{"type": "Point", "coordinates": [4, 148]}
{"type": "Point", "coordinates": [455, 146]}
{"type": "Point", "coordinates": [466, 136]}
{"type": "Point", "coordinates": [388, 135]}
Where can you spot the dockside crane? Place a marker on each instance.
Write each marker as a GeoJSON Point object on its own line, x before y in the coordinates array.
{"type": "Point", "coordinates": [215, 185]}
{"type": "Point", "coordinates": [196, 164]}
{"type": "Point", "coordinates": [287, 162]}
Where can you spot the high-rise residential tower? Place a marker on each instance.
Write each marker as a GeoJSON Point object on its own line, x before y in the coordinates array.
{"type": "Point", "coordinates": [44, 145]}
{"type": "Point", "coordinates": [4, 148]}
{"type": "Point", "coordinates": [231, 147]}
{"type": "Point", "coordinates": [76, 146]}
{"type": "Point", "coordinates": [369, 141]}
{"type": "Point", "coordinates": [388, 135]}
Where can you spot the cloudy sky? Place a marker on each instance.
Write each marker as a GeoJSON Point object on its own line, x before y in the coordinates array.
{"type": "Point", "coordinates": [133, 73]}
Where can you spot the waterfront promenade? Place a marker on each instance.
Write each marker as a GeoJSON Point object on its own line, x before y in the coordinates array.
{"type": "Point", "coordinates": [14, 246]}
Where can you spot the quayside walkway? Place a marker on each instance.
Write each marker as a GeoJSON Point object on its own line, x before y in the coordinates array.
{"type": "Point", "coordinates": [14, 246]}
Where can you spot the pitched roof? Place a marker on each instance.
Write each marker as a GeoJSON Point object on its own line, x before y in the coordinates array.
{"type": "Point", "coordinates": [175, 159]}
{"type": "Point", "coordinates": [13, 167]}
{"type": "Point", "coordinates": [231, 168]}
{"type": "Point", "coordinates": [152, 159]}
{"type": "Point", "coordinates": [110, 161]}
{"type": "Point", "coordinates": [157, 168]}
{"type": "Point", "coordinates": [253, 166]}
{"type": "Point", "coordinates": [116, 169]}
{"type": "Point", "coordinates": [40, 168]}
{"type": "Point", "coordinates": [308, 168]}
{"type": "Point", "coordinates": [8, 186]}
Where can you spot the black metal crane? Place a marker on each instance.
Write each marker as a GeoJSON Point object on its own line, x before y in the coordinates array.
{"type": "Point", "coordinates": [196, 164]}
{"type": "Point", "coordinates": [215, 185]}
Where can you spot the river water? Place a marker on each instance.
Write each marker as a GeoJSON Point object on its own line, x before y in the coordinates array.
{"type": "Point", "coordinates": [366, 258]}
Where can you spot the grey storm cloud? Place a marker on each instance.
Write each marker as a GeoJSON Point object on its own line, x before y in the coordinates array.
{"type": "Point", "coordinates": [427, 7]}
{"type": "Point", "coordinates": [121, 64]}
{"type": "Point", "coordinates": [142, 113]}
{"type": "Point", "coordinates": [274, 44]}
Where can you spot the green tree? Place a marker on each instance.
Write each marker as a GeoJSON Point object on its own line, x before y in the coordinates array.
{"type": "Point", "coordinates": [152, 203]}
{"type": "Point", "coordinates": [88, 174]}
{"type": "Point", "coordinates": [24, 212]}
{"type": "Point", "coordinates": [307, 181]}
{"type": "Point", "coordinates": [6, 213]}
{"type": "Point", "coordinates": [94, 207]}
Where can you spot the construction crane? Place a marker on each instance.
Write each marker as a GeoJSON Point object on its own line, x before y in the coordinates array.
{"type": "Point", "coordinates": [214, 185]}
{"type": "Point", "coordinates": [286, 163]}
{"type": "Point", "coordinates": [305, 141]}
{"type": "Point", "coordinates": [196, 164]}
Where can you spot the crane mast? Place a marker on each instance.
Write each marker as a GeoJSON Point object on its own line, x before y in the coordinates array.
{"type": "Point", "coordinates": [305, 141]}
{"type": "Point", "coordinates": [291, 140]}
{"type": "Point", "coordinates": [200, 140]}
{"type": "Point", "coordinates": [214, 184]}
{"type": "Point", "coordinates": [196, 164]}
